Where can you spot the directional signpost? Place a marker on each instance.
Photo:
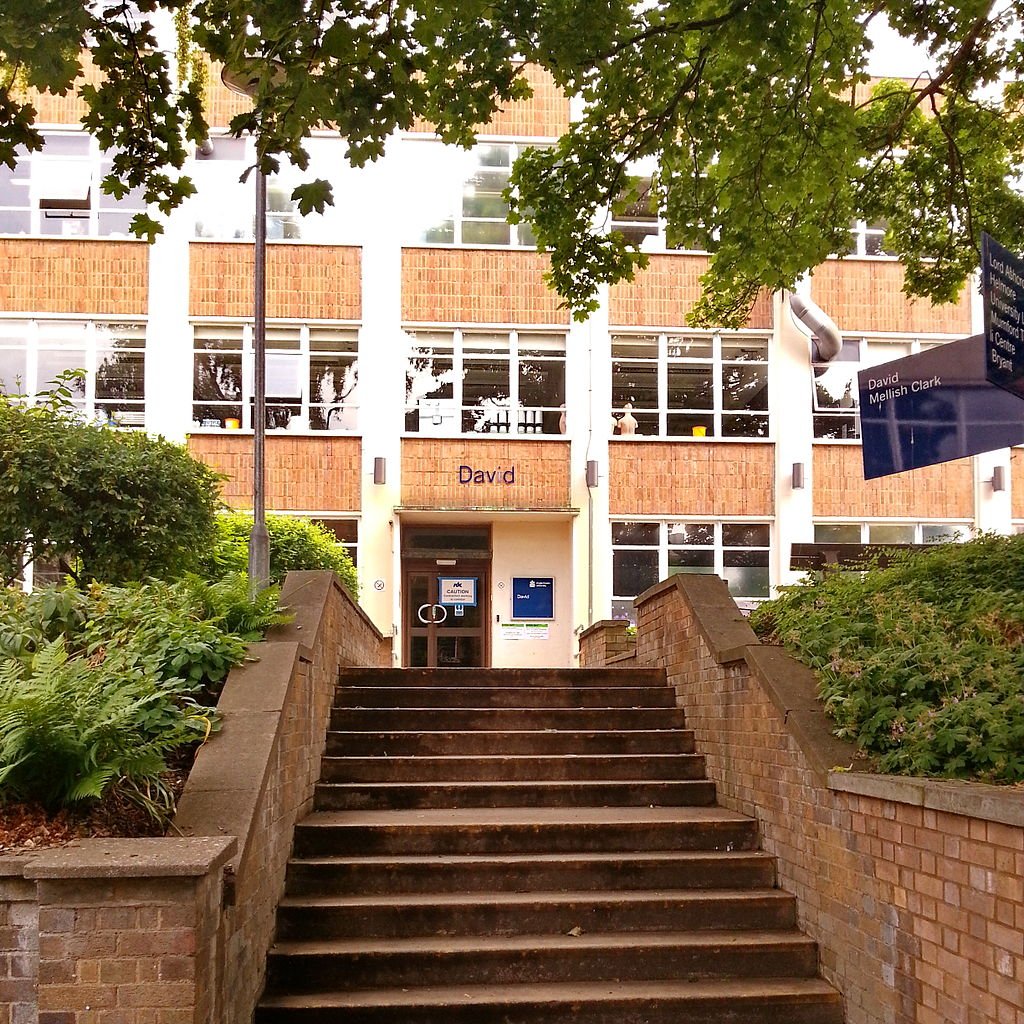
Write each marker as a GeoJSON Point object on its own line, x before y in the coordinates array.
{"type": "Point", "coordinates": [953, 400]}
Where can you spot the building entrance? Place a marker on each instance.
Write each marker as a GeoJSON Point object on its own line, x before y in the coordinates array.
{"type": "Point", "coordinates": [446, 613]}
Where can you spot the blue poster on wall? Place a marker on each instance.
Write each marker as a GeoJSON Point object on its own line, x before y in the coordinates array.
{"type": "Point", "coordinates": [533, 597]}
{"type": "Point", "coordinates": [933, 407]}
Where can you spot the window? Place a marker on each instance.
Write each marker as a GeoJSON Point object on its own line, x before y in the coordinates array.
{"type": "Point", "coordinates": [634, 214]}
{"type": "Point", "coordinates": [113, 355]}
{"type": "Point", "coordinates": [485, 382]}
{"type": "Point", "coordinates": [690, 385]}
{"type": "Point", "coordinates": [56, 191]}
{"type": "Point", "coordinates": [889, 533]}
{"type": "Point", "coordinates": [866, 239]}
{"type": "Point", "coordinates": [311, 377]}
{"type": "Point", "coordinates": [466, 196]}
{"type": "Point", "coordinates": [645, 552]}
{"type": "Point", "coordinates": [835, 396]}
{"type": "Point", "coordinates": [346, 532]}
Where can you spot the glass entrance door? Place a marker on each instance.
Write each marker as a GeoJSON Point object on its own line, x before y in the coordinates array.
{"type": "Point", "coordinates": [446, 613]}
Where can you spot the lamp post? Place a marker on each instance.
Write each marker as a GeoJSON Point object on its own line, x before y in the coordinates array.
{"type": "Point", "coordinates": [259, 540]}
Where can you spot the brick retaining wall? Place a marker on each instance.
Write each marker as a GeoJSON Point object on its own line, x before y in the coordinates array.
{"type": "Point", "coordinates": [176, 930]}
{"type": "Point", "coordinates": [912, 888]}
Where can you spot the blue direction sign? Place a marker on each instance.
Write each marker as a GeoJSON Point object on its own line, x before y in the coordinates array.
{"type": "Point", "coordinates": [934, 407]}
{"type": "Point", "coordinates": [1002, 294]}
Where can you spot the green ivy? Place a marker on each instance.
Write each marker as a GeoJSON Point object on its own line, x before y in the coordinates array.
{"type": "Point", "coordinates": [920, 663]}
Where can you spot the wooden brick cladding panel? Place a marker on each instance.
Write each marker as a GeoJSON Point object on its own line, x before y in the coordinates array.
{"type": "Point", "coordinates": [221, 103]}
{"type": "Point", "coordinates": [93, 276]}
{"type": "Point", "coordinates": [69, 109]}
{"type": "Point", "coordinates": [943, 491]}
{"type": "Point", "coordinates": [1017, 483]}
{"type": "Point", "coordinates": [477, 286]}
{"type": "Point", "coordinates": [430, 473]}
{"type": "Point", "coordinates": [656, 478]}
{"type": "Point", "coordinates": [317, 282]}
{"type": "Point", "coordinates": [545, 114]}
{"type": "Point", "coordinates": [867, 295]}
{"type": "Point", "coordinates": [302, 473]}
{"type": "Point", "coordinates": [664, 293]}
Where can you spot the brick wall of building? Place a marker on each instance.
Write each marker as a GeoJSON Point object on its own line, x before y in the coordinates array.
{"type": "Point", "coordinates": [68, 109]}
{"type": "Point", "coordinates": [911, 887]}
{"type": "Point", "coordinates": [867, 295]}
{"type": "Point", "coordinates": [430, 474]}
{"type": "Point", "coordinates": [1017, 482]}
{"type": "Point", "coordinates": [545, 114]}
{"type": "Point", "coordinates": [302, 473]}
{"type": "Point", "coordinates": [936, 492]}
{"type": "Point", "coordinates": [477, 286]}
{"type": "Point", "coordinates": [698, 478]}
{"type": "Point", "coordinates": [664, 293]}
{"type": "Point", "coordinates": [304, 282]}
{"type": "Point", "coordinates": [97, 277]}
{"type": "Point", "coordinates": [221, 103]}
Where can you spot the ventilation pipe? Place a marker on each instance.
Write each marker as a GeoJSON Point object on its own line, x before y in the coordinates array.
{"type": "Point", "coordinates": [826, 341]}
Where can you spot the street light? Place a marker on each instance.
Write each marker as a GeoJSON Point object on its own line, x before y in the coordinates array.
{"type": "Point", "coordinates": [259, 540]}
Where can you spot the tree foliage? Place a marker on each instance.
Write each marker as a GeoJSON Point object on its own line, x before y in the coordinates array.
{"type": "Point", "coordinates": [755, 113]}
{"type": "Point", "coordinates": [109, 505]}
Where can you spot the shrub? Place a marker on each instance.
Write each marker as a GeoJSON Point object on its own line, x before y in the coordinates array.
{"type": "Point", "coordinates": [111, 505]}
{"type": "Point", "coordinates": [99, 687]}
{"type": "Point", "coordinates": [295, 543]}
{"type": "Point", "coordinates": [920, 663]}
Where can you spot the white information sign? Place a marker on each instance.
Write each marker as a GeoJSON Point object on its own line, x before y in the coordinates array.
{"type": "Point", "coordinates": [452, 590]}
{"type": "Point", "coordinates": [525, 630]}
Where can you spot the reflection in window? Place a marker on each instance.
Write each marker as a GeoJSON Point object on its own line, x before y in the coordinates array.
{"type": "Point", "coordinates": [645, 552]}
{"type": "Point", "coordinates": [311, 377]}
{"type": "Point", "coordinates": [890, 533]}
{"type": "Point", "coordinates": [465, 195]}
{"type": "Point", "coordinates": [33, 353]}
{"type": "Point", "coordinates": [56, 191]}
{"type": "Point", "coordinates": [483, 382]}
{"type": "Point", "coordinates": [690, 385]}
{"type": "Point", "coordinates": [835, 395]}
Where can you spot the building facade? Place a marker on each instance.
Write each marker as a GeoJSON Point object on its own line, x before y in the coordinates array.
{"type": "Point", "coordinates": [503, 475]}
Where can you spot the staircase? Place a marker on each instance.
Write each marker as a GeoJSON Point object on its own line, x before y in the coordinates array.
{"type": "Point", "coordinates": [509, 846]}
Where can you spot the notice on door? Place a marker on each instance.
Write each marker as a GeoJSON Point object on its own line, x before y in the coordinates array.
{"type": "Point", "coordinates": [456, 590]}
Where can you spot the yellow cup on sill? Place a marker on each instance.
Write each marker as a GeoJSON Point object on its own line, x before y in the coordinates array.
{"type": "Point", "coordinates": [700, 431]}
{"type": "Point", "coordinates": [233, 424]}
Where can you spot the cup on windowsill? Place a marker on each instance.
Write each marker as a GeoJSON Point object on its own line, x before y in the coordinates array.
{"type": "Point", "coordinates": [700, 431]}
{"type": "Point", "coordinates": [232, 424]}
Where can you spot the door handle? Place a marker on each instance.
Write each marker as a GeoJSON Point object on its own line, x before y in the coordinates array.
{"type": "Point", "coordinates": [432, 618]}
{"type": "Point", "coordinates": [444, 613]}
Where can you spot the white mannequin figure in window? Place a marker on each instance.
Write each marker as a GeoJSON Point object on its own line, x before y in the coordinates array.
{"type": "Point", "coordinates": [627, 425]}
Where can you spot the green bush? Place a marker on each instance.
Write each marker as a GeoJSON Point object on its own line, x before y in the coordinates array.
{"type": "Point", "coordinates": [99, 687]}
{"type": "Point", "coordinates": [921, 663]}
{"type": "Point", "coordinates": [110, 505]}
{"type": "Point", "coordinates": [295, 543]}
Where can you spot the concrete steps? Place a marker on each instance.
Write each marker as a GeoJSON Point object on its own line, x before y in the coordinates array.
{"type": "Point", "coordinates": [510, 847]}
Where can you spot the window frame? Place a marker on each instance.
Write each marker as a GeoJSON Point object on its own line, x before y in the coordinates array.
{"type": "Point", "coordinates": [37, 341]}
{"type": "Point", "coordinates": [449, 415]}
{"type": "Point", "coordinates": [664, 363]}
{"type": "Point", "coordinates": [863, 526]}
{"type": "Point", "coordinates": [283, 339]}
{"type": "Point", "coordinates": [719, 549]}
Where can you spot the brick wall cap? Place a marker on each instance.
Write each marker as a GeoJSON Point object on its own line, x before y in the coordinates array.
{"type": "Point", "coordinates": [12, 865]}
{"type": "Point", "coordinates": [605, 624]}
{"type": "Point", "coordinates": [629, 657]}
{"type": "Point", "coordinates": [979, 800]}
{"type": "Point", "coordinates": [167, 857]}
{"type": "Point", "coordinates": [721, 623]}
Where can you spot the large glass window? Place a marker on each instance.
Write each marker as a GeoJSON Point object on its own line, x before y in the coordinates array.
{"type": "Point", "coordinates": [113, 356]}
{"type": "Point", "coordinates": [644, 552]}
{"type": "Point", "coordinates": [462, 196]}
{"type": "Point", "coordinates": [56, 191]}
{"type": "Point", "coordinates": [690, 385]}
{"type": "Point", "coordinates": [485, 382]}
{"type": "Point", "coordinates": [311, 377]}
{"type": "Point", "coordinates": [890, 533]}
{"type": "Point", "coordinates": [835, 396]}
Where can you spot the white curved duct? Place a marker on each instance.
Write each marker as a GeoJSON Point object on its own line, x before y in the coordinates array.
{"type": "Point", "coordinates": [826, 341]}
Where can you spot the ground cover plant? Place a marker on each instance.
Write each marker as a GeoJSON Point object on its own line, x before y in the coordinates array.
{"type": "Point", "coordinates": [920, 663]}
{"type": "Point", "coordinates": [295, 543]}
{"type": "Point", "coordinates": [104, 691]}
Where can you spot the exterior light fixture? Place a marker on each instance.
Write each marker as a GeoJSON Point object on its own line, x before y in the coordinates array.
{"type": "Point", "coordinates": [592, 472]}
{"type": "Point", "coordinates": [380, 470]}
{"type": "Point", "coordinates": [798, 476]}
{"type": "Point", "coordinates": [999, 478]}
